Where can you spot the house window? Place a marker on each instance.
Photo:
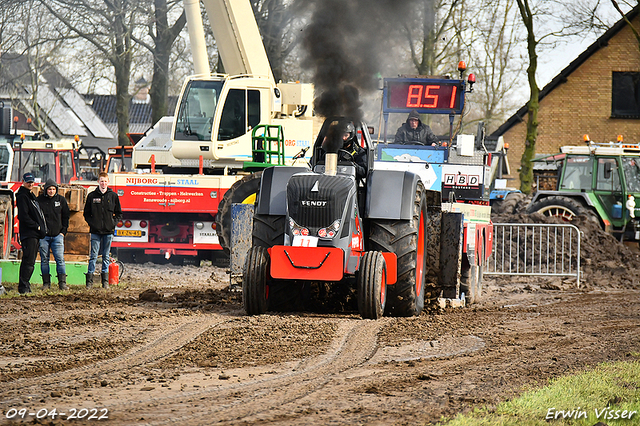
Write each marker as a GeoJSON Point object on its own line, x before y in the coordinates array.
{"type": "Point", "coordinates": [625, 95]}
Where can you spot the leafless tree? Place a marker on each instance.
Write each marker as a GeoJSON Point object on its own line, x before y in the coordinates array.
{"type": "Point", "coordinates": [431, 34]}
{"type": "Point", "coordinates": [545, 22]}
{"type": "Point", "coordinates": [8, 36]}
{"type": "Point", "coordinates": [275, 18]}
{"type": "Point", "coordinates": [109, 26]}
{"type": "Point", "coordinates": [526, 168]}
{"type": "Point", "coordinates": [34, 54]}
{"type": "Point", "coordinates": [162, 36]}
{"type": "Point", "coordinates": [635, 31]}
{"type": "Point", "coordinates": [493, 52]}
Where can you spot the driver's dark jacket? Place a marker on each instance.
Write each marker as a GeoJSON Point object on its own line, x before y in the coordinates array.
{"type": "Point", "coordinates": [422, 134]}
{"type": "Point", "coordinates": [353, 153]}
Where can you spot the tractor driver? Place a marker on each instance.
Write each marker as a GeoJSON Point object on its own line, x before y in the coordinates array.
{"type": "Point", "coordinates": [351, 151]}
{"type": "Point", "coordinates": [415, 131]}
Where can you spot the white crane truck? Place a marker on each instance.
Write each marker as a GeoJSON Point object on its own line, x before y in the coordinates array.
{"type": "Point", "coordinates": [190, 168]}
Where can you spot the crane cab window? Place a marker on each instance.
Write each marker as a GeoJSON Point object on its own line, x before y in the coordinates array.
{"type": "Point", "coordinates": [240, 114]}
{"type": "Point", "coordinates": [577, 173]}
{"type": "Point", "coordinates": [608, 177]}
{"type": "Point", "coordinates": [197, 108]}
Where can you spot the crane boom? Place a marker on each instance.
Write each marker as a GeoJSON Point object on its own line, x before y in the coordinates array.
{"type": "Point", "coordinates": [237, 37]}
{"type": "Point", "coordinates": [196, 36]}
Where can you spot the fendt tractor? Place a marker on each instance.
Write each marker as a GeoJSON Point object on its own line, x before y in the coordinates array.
{"type": "Point", "coordinates": [599, 180]}
{"type": "Point", "coordinates": [384, 235]}
{"type": "Point", "coordinates": [57, 159]}
{"type": "Point", "coordinates": [193, 166]}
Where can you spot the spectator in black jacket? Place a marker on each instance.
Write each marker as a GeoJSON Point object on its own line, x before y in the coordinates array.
{"type": "Point", "coordinates": [56, 213]}
{"type": "Point", "coordinates": [414, 131]}
{"type": "Point", "coordinates": [32, 227]}
{"type": "Point", "coordinates": [102, 212]}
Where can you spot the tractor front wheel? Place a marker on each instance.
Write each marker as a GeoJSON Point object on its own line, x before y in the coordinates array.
{"type": "Point", "coordinates": [255, 288]}
{"type": "Point", "coordinates": [268, 230]}
{"type": "Point", "coordinates": [372, 285]}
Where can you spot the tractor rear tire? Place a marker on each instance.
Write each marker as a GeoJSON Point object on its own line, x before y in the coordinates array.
{"type": "Point", "coordinates": [268, 230]}
{"type": "Point", "coordinates": [372, 285]}
{"type": "Point", "coordinates": [558, 206]}
{"type": "Point", "coordinates": [6, 226]}
{"type": "Point", "coordinates": [242, 191]}
{"type": "Point", "coordinates": [469, 282]}
{"type": "Point", "coordinates": [509, 204]}
{"type": "Point", "coordinates": [408, 240]}
{"type": "Point", "coordinates": [255, 288]}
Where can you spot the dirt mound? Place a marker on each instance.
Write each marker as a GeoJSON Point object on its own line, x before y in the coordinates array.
{"type": "Point", "coordinates": [605, 261]}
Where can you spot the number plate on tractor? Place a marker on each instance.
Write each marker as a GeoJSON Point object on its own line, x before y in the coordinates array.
{"type": "Point", "coordinates": [128, 233]}
{"type": "Point", "coordinates": [305, 241]}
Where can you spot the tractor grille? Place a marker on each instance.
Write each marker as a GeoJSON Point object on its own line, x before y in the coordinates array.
{"type": "Point", "coordinates": [317, 209]}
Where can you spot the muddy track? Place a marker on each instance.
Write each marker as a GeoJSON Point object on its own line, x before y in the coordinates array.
{"type": "Point", "coordinates": [190, 356]}
{"type": "Point", "coordinates": [354, 344]}
{"type": "Point", "coordinates": [159, 345]}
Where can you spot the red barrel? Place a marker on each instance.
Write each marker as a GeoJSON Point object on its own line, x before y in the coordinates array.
{"type": "Point", "coordinates": [114, 273]}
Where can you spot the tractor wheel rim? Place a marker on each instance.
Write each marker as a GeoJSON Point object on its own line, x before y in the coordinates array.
{"type": "Point", "coordinates": [558, 211]}
{"type": "Point", "coordinates": [251, 199]}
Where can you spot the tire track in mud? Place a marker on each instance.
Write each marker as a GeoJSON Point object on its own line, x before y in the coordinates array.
{"type": "Point", "coordinates": [354, 344]}
{"type": "Point", "coordinates": [159, 346]}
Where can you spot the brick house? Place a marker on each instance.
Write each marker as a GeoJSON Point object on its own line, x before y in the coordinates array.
{"type": "Point", "coordinates": [594, 95]}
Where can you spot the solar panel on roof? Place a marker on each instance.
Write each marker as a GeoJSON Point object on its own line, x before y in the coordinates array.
{"type": "Point", "coordinates": [86, 114]}
{"type": "Point", "coordinates": [62, 117]}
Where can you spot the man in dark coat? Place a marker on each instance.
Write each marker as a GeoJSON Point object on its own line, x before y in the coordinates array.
{"type": "Point", "coordinates": [56, 213]}
{"type": "Point", "coordinates": [414, 131]}
{"type": "Point", "coordinates": [32, 227]}
{"type": "Point", "coordinates": [102, 212]}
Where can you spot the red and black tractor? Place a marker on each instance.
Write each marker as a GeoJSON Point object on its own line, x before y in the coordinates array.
{"type": "Point", "coordinates": [333, 226]}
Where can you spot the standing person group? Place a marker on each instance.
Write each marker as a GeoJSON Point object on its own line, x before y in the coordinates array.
{"type": "Point", "coordinates": [102, 212]}
{"type": "Point", "coordinates": [44, 221]}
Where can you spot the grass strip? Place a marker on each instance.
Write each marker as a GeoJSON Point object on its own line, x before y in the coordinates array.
{"type": "Point", "coordinates": [610, 394]}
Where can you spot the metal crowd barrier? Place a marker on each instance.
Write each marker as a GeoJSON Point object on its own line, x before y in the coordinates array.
{"type": "Point", "coordinates": [535, 249]}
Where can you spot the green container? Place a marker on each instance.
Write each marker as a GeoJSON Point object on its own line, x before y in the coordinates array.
{"type": "Point", "coordinates": [10, 271]}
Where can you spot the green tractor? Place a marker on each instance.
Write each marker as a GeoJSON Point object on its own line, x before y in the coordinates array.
{"type": "Point", "coordinates": [600, 181]}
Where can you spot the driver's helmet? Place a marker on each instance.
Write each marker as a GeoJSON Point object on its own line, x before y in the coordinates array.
{"type": "Point", "coordinates": [349, 130]}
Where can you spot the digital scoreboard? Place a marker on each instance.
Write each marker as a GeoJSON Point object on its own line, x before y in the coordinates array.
{"type": "Point", "coordinates": [428, 96]}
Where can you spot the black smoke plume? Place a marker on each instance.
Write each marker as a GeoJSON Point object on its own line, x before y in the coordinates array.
{"type": "Point", "coordinates": [344, 44]}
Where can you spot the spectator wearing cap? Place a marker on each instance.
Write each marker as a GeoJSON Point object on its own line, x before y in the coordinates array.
{"type": "Point", "coordinates": [32, 227]}
{"type": "Point", "coordinates": [414, 131]}
{"type": "Point", "coordinates": [56, 213]}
